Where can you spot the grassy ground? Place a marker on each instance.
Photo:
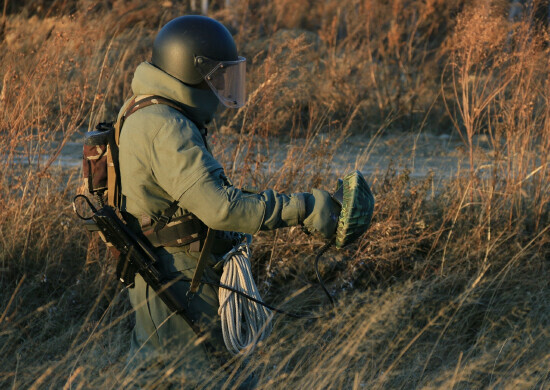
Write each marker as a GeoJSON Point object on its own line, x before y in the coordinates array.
{"type": "Point", "coordinates": [449, 289]}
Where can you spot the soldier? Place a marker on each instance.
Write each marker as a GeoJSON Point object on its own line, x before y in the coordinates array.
{"type": "Point", "coordinates": [169, 174]}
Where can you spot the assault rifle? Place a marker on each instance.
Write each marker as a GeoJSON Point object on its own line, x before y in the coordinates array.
{"type": "Point", "coordinates": [135, 255]}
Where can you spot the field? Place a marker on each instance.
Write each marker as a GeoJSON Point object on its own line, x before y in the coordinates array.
{"type": "Point", "coordinates": [444, 105]}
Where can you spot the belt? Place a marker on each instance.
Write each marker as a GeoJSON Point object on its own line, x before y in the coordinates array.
{"type": "Point", "coordinates": [180, 231]}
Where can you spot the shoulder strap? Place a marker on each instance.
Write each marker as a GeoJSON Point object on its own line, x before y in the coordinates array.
{"type": "Point", "coordinates": [113, 167]}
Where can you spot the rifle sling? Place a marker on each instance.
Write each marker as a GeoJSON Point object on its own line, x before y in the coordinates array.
{"type": "Point", "coordinates": [201, 263]}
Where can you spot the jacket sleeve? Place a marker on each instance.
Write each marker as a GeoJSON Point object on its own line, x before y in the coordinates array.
{"type": "Point", "coordinates": [221, 206]}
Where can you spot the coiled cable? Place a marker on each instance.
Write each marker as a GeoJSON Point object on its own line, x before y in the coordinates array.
{"type": "Point", "coordinates": [244, 322]}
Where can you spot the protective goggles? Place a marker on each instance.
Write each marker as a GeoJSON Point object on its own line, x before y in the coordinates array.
{"type": "Point", "coordinates": [225, 78]}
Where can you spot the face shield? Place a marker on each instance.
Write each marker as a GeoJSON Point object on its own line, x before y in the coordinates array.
{"type": "Point", "coordinates": [225, 78]}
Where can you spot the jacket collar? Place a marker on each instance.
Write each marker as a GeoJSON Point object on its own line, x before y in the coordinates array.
{"type": "Point", "coordinates": [201, 104]}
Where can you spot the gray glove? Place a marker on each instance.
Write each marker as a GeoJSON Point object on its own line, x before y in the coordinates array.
{"type": "Point", "coordinates": [322, 213]}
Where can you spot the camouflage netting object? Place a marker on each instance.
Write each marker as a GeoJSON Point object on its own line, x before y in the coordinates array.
{"type": "Point", "coordinates": [357, 203]}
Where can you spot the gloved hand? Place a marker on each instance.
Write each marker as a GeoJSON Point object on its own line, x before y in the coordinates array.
{"type": "Point", "coordinates": [322, 213]}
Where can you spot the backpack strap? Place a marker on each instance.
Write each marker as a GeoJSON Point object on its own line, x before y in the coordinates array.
{"type": "Point", "coordinates": [113, 167]}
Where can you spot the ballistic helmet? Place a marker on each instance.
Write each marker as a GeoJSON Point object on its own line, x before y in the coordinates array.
{"type": "Point", "coordinates": [196, 48]}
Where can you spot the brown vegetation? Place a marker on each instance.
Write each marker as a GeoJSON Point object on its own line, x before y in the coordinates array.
{"type": "Point", "coordinates": [449, 289]}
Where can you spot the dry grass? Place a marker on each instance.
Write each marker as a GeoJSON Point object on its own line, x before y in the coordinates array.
{"type": "Point", "coordinates": [448, 290]}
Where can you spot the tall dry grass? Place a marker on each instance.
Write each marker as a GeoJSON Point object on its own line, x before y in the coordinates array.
{"type": "Point", "coordinates": [449, 289]}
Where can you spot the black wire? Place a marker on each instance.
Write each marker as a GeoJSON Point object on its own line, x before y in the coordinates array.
{"type": "Point", "coordinates": [321, 252]}
{"type": "Point", "coordinates": [260, 302]}
{"type": "Point", "coordinates": [182, 278]}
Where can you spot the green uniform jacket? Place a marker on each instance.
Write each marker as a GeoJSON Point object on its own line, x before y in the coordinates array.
{"type": "Point", "coordinates": [164, 157]}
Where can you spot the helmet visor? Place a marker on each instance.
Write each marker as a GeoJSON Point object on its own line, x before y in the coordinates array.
{"type": "Point", "coordinates": [225, 78]}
